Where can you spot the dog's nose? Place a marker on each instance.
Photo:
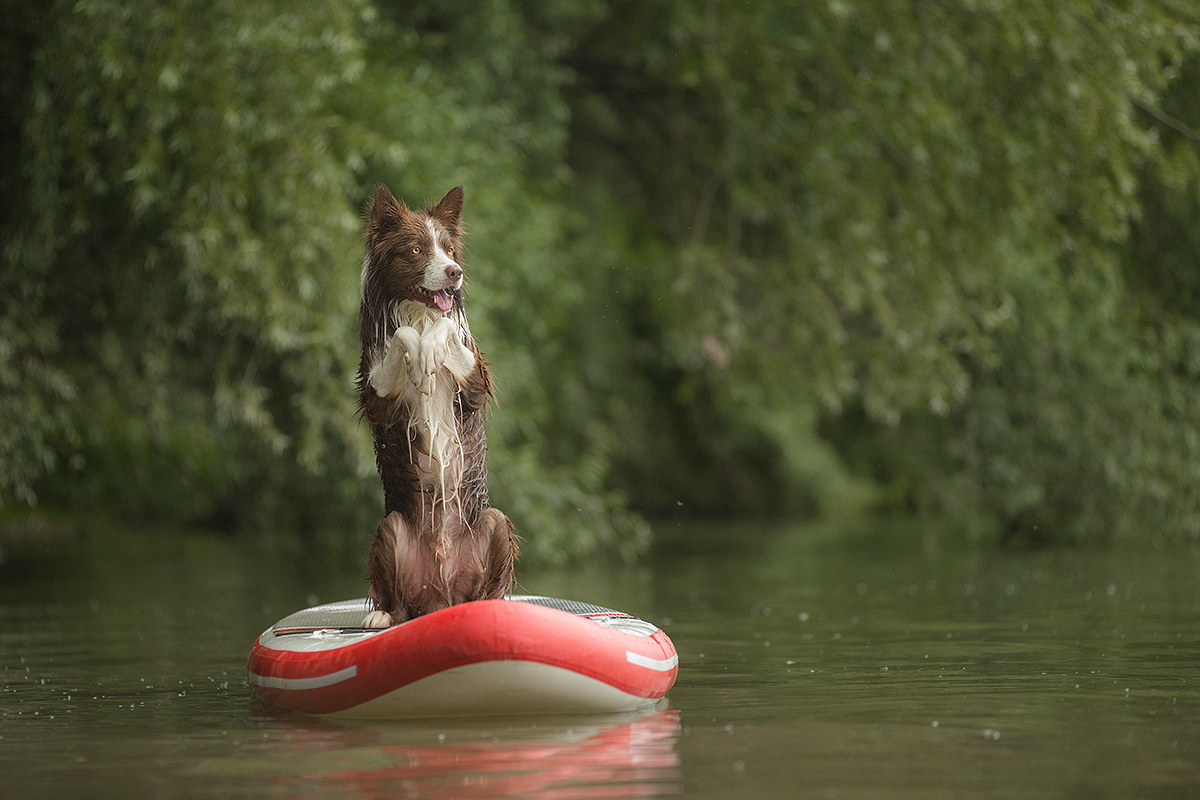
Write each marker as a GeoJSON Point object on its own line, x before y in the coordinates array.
{"type": "Point", "coordinates": [454, 273]}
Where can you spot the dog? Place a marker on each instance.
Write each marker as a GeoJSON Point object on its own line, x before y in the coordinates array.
{"type": "Point", "coordinates": [424, 388]}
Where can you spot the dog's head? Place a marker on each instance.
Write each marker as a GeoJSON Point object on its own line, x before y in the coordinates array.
{"type": "Point", "coordinates": [414, 255]}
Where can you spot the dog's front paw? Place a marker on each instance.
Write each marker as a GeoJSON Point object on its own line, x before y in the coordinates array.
{"type": "Point", "coordinates": [430, 360]}
{"type": "Point", "coordinates": [421, 382]}
{"type": "Point", "coordinates": [377, 619]}
{"type": "Point", "coordinates": [439, 346]}
{"type": "Point", "coordinates": [459, 360]}
{"type": "Point", "coordinates": [387, 376]}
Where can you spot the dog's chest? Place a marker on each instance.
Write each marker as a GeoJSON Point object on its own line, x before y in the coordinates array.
{"type": "Point", "coordinates": [433, 424]}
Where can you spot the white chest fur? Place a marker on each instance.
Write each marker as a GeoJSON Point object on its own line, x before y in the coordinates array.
{"type": "Point", "coordinates": [422, 366]}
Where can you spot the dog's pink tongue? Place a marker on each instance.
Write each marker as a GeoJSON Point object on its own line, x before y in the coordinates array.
{"type": "Point", "coordinates": [443, 299]}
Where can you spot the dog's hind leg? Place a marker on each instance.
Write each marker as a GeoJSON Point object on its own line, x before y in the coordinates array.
{"type": "Point", "coordinates": [502, 550]}
{"type": "Point", "coordinates": [389, 561]}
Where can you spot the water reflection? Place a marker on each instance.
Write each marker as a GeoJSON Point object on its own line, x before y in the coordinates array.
{"type": "Point", "coordinates": [616, 756]}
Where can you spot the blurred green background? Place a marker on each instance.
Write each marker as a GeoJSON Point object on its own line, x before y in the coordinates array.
{"type": "Point", "coordinates": [757, 260]}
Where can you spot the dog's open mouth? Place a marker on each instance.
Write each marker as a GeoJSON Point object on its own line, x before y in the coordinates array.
{"type": "Point", "coordinates": [441, 299]}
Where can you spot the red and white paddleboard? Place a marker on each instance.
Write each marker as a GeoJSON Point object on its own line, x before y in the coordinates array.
{"type": "Point", "coordinates": [521, 655]}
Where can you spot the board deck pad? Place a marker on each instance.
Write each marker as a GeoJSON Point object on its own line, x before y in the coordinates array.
{"type": "Point", "coordinates": [350, 613]}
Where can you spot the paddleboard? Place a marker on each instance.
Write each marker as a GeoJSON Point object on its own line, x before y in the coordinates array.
{"type": "Point", "coordinates": [521, 655]}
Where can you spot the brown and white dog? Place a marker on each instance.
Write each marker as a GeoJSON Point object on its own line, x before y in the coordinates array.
{"type": "Point", "coordinates": [424, 388]}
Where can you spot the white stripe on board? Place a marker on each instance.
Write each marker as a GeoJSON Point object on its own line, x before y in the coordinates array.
{"type": "Point", "coordinates": [656, 664]}
{"type": "Point", "coordinates": [304, 683]}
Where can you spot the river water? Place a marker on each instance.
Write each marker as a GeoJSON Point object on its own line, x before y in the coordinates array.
{"type": "Point", "coordinates": [814, 662]}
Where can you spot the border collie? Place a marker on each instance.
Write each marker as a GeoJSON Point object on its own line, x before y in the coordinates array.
{"type": "Point", "coordinates": [424, 388]}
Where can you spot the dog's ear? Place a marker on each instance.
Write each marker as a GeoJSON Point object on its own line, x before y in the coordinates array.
{"type": "Point", "coordinates": [448, 210]}
{"type": "Point", "coordinates": [383, 210]}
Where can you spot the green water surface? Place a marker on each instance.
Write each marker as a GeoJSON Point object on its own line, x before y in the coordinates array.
{"type": "Point", "coordinates": [813, 663]}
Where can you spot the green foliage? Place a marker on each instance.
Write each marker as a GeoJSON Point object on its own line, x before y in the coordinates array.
{"type": "Point", "coordinates": [725, 258]}
{"type": "Point", "coordinates": [915, 216]}
{"type": "Point", "coordinates": [178, 207]}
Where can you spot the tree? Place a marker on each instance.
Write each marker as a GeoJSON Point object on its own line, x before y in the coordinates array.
{"type": "Point", "coordinates": [725, 258]}
{"type": "Point", "coordinates": [177, 331]}
{"type": "Point", "coordinates": [913, 217]}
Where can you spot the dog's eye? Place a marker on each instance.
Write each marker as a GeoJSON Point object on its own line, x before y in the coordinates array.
{"type": "Point", "coordinates": [416, 251]}
{"type": "Point", "coordinates": [450, 252]}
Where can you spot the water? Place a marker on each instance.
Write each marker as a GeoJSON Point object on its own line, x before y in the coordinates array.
{"type": "Point", "coordinates": [813, 663]}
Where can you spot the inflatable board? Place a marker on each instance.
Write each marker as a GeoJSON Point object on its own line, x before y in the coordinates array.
{"type": "Point", "coordinates": [520, 655]}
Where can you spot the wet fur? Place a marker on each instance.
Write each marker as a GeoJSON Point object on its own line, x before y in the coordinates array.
{"type": "Point", "coordinates": [424, 387]}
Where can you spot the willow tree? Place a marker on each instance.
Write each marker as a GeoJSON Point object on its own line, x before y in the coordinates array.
{"type": "Point", "coordinates": [727, 258]}
{"type": "Point", "coordinates": [181, 259]}
{"type": "Point", "coordinates": [176, 332]}
{"type": "Point", "coordinates": [913, 220]}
